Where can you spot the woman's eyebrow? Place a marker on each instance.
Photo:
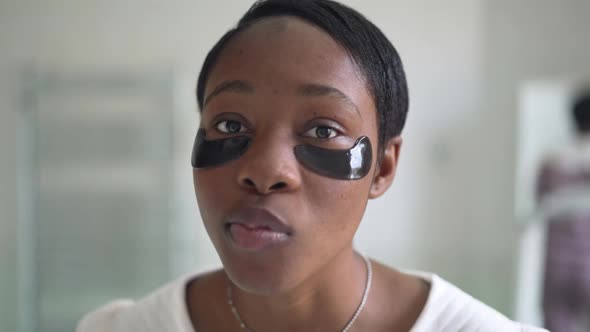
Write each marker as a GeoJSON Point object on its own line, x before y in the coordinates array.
{"type": "Point", "coordinates": [238, 86]}
{"type": "Point", "coordinates": [318, 90]}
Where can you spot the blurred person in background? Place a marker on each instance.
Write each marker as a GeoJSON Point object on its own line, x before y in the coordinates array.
{"type": "Point", "coordinates": [564, 201]}
{"type": "Point", "coordinates": [302, 109]}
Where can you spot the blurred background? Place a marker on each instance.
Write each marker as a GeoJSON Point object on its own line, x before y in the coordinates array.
{"type": "Point", "coordinates": [98, 116]}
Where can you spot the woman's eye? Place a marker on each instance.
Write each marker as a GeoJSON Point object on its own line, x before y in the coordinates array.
{"type": "Point", "coordinates": [230, 127]}
{"type": "Point", "coordinates": [323, 132]}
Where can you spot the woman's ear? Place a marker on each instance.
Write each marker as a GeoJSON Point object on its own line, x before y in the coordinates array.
{"type": "Point", "coordinates": [385, 169]}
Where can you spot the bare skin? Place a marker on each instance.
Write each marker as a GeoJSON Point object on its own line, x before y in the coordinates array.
{"type": "Point", "coordinates": [395, 302]}
{"type": "Point", "coordinates": [315, 280]}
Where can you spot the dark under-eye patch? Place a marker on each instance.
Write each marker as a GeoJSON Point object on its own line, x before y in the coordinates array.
{"type": "Point", "coordinates": [351, 164]}
{"type": "Point", "coordinates": [216, 152]}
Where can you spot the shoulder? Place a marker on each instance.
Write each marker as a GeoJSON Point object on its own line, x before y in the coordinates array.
{"type": "Point", "coordinates": [450, 309]}
{"type": "Point", "coordinates": [162, 310]}
{"type": "Point", "coordinates": [571, 158]}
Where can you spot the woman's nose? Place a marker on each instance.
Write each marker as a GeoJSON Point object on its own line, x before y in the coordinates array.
{"type": "Point", "coordinates": [269, 166]}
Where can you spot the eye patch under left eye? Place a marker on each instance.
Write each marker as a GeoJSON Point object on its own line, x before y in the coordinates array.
{"type": "Point", "coordinates": [349, 164]}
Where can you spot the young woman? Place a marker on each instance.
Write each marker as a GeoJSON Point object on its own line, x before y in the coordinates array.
{"type": "Point", "coordinates": [302, 108]}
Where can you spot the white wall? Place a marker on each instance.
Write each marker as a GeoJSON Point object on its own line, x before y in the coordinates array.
{"type": "Point", "coordinates": [451, 207]}
{"type": "Point", "coordinates": [8, 209]}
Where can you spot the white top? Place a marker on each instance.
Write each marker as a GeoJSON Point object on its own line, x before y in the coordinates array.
{"type": "Point", "coordinates": [448, 309]}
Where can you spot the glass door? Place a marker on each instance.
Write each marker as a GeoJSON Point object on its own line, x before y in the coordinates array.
{"type": "Point", "coordinates": [99, 186]}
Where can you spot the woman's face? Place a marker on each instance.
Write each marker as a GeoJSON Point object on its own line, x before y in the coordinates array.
{"type": "Point", "coordinates": [289, 84]}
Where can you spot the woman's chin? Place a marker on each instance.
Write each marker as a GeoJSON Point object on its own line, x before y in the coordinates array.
{"type": "Point", "coordinates": [270, 270]}
{"type": "Point", "coordinates": [260, 279]}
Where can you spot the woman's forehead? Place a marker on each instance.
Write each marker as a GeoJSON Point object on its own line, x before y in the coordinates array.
{"type": "Point", "coordinates": [281, 27]}
{"type": "Point", "coordinates": [286, 42]}
{"type": "Point", "coordinates": [285, 53]}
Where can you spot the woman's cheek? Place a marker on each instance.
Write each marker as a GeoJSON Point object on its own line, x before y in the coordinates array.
{"type": "Point", "coordinates": [340, 203]}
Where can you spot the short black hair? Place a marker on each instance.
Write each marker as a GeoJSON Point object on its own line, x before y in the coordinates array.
{"type": "Point", "coordinates": [370, 49]}
{"type": "Point", "coordinates": [581, 112]}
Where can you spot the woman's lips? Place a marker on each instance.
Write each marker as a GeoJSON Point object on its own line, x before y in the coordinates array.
{"type": "Point", "coordinates": [255, 239]}
{"type": "Point", "coordinates": [256, 229]}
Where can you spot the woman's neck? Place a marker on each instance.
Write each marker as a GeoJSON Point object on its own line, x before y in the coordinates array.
{"type": "Point", "coordinates": [323, 302]}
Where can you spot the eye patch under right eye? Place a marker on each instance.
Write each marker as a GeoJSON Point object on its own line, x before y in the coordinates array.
{"type": "Point", "coordinates": [216, 152]}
